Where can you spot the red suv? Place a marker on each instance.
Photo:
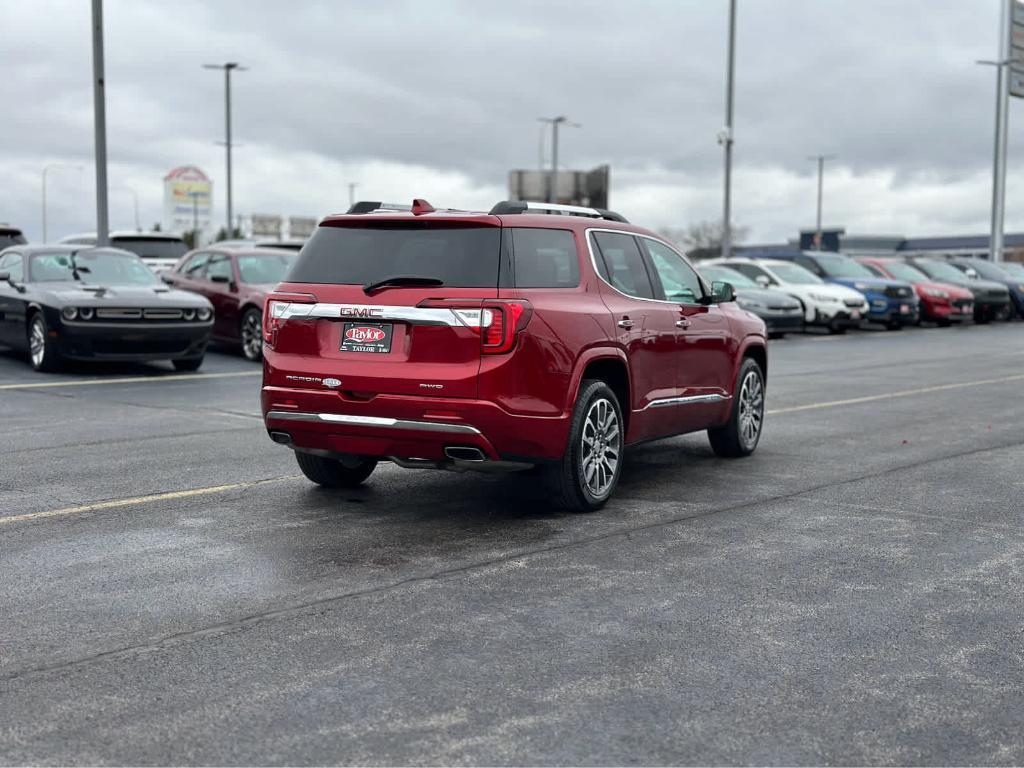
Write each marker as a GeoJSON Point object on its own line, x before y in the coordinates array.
{"type": "Point", "coordinates": [535, 335]}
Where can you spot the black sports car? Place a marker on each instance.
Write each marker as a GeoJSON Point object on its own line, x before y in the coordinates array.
{"type": "Point", "coordinates": [76, 302]}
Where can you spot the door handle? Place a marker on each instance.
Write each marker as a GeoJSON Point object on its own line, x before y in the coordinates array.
{"type": "Point", "coordinates": [682, 323]}
{"type": "Point", "coordinates": [625, 323]}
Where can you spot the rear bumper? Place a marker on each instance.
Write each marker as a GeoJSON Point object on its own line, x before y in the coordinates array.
{"type": "Point", "coordinates": [132, 341]}
{"type": "Point", "coordinates": [409, 427]}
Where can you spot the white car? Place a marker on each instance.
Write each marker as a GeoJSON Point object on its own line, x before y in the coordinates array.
{"type": "Point", "coordinates": [159, 250]}
{"type": "Point", "coordinates": [827, 305]}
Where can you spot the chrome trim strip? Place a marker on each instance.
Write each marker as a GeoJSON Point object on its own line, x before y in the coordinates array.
{"type": "Point", "coordinates": [690, 400]}
{"type": "Point", "coordinates": [531, 206]}
{"type": "Point", "coordinates": [468, 318]}
{"type": "Point", "coordinates": [374, 421]}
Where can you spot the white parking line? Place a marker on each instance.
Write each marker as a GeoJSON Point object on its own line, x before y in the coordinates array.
{"type": "Point", "coordinates": [893, 395]}
{"type": "Point", "coordinates": [130, 380]}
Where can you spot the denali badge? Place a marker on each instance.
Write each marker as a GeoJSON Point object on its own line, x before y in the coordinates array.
{"type": "Point", "coordinates": [359, 334]}
{"type": "Point", "coordinates": [331, 383]}
{"type": "Point", "coordinates": [313, 379]}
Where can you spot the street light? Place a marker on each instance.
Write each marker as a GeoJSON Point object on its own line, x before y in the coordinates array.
{"type": "Point", "coordinates": [352, 193]}
{"type": "Point", "coordinates": [821, 172]}
{"type": "Point", "coordinates": [553, 178]}
{"type": "Point", "coordinates": [46, 169]}
{"type": "Point", "coordinates": [725, 136]}
{"type": "Point", "coordinates": [228, 67]}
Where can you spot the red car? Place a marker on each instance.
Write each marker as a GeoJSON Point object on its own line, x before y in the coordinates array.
{"type": "Point", "coordinates": [531, 336]}
{"type": "Point", "coordinates": [236, 281]}
{"type": "Point", "coordinates": [941, 303]}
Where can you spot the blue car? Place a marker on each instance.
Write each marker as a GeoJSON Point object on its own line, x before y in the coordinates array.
{"type": "Point", "coordinates": [893, 303]}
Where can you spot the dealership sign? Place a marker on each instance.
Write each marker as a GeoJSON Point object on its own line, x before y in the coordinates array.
{"type": "Point", "coordinates": [188, 199]}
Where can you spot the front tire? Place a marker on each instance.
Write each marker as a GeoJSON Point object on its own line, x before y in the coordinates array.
{"type": "Point", "coordinates": [586, 476]}
{"type": "Point", "coordinates": [333, 473]}
{"type": "Point", "coordinates": [187, 363]}
{"type": "Point", "coordinates": [251, 334]}
{"type": "Point", "coordinates": [739, 436]}
{"type": "Point", "coordinates": [42, 350]}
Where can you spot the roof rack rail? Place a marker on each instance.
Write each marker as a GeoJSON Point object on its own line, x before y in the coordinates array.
{"type": "Point", "coordinates": [506, 207]}
{"type": "Point", "coordinates": [367, 206]}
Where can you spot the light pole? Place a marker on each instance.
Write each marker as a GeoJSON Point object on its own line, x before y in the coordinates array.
{"type": "Point", "coordinates": [228, 67]}
{"type": "Point", "coordinates": [552, 186]}
{"type": "Point", "coordinates": [99, 111]}
{"type": "Point", "coordinates": [725, 137]}
{"type": "Point", "coordinates": [821, 174]}
{"type": "Point", "coordinates": [1002, 115]}
{"type": "Point", "coordinates": [352, 193]}
{"type": "Point", "coordinates": [46, 169]}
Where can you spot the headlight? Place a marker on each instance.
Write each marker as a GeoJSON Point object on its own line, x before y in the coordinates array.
{"type": "Point", "coordinates": [69, 313]}
{"type": "Point", "coordinates": [189, 314]}
{"type": "Point", "coordinates": [204, 314]}
{"type": "Point", "coordinates": [86, 313]}
{"type": "Point", "coordinates": [861, 286]}
{"type": "Point", "coordinates": [1020, 287]}
{"type": "Point", "coordinates": [935, 292]}
{"type": "Point", "coordinates": [822, 298]}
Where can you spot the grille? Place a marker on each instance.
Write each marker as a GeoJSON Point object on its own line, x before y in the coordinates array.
{"type": "Point", "coordinates": [784, 307]}
{"type": "Point", "coordinates": [895, 292]}
{"type": "Point", "coordinates": [145, 347]}
{"type": "Point", "coordinates": [961, 303]}
{"type": "Point", "coordinates": [162, 314]}
{"type": "Point", "coordinates": [119, 313]}
{"type": "Point", "coordinates": [855, 303]}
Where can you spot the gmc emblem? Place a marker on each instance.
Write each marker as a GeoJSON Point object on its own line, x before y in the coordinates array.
{"type": "Point", "coordinates": [364, 334]}
{"type": "Point", "coordinates": [361, 311]}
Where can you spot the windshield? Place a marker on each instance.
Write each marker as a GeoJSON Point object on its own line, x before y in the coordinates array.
{"type": "Point", "coordinates": [794, 273]}
{"type": "Point", "coordinates": [903, 271]}
{"type": "Point", "coordinates": [726, 275]}
{"type": "Point", "coordinates": [152, 248]}
{"type": "Point", "coordinates": [986, 269]}
{"type": "Point", "coordinates": [265, 268]}
{"type": "Point", "coordinates": [1013, 268]}
{"type": "Point", "coordinates": [841, 266]}
{"type": "Point", "coordinates": [97, 267]}
{"type": "Point", "coordinates": [458, 256]}
{"type": "Point", "coordinates": [941, 270]}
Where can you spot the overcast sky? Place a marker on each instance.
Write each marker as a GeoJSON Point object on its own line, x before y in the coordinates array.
{"type": "Point", "coordinates": [440, 99]}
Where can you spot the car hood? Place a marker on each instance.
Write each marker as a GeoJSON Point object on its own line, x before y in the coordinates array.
{"type": "Point", "coordinates": [954, 291]}
{"type": "Point", "coordinates": [767, 297]}
{"type": "Point", "coordinates": [832, 290]}
{"type": "Point", "coordinates": [87, 295]}
{"type": "Point", "coordinates": [873, 284]}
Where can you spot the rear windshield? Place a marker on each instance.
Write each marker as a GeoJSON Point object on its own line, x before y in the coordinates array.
{"type": "Point", "coordinates": [149, 248]}
{"type": "Point", "coordinates": [460, 257]}
{"type": "Point", "coordinates": [265, 268]}
{"type": "Point", "coordinates": [10, 237]}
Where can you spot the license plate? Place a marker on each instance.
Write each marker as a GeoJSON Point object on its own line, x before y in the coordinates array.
{"type": "Point", "coordinates": [855, 314]}
{"type": "Point", "coordinates": [904, 309]}
{"type": "Point", "coordinates": [366, 337]}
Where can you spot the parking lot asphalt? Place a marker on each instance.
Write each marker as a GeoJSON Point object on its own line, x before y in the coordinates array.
{"type": "Point", "coordinates": [173, 593]}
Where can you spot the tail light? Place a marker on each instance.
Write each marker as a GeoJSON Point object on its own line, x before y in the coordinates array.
{"type": "Point", "coordinates": [498, 322]}
{"type": "Point", "coordinates": [275, 312]}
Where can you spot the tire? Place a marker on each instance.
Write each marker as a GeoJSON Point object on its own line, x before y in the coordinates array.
{"type": "Point", "coordinates": [894, 325]}
{"type": "Point", "coordinates": [739, 436]}
{"type": "Point", "coordinates": [333, 473]}
{"type": "Point", "coordinates": [250, 331]}
{"type": "Point", "coordinates": [187, 363]}
{"type": "Point", "coordinates": [42, 350]}
{"type": "Point", "coordinates": [836, 330]}
{"type": "Point", "coordinates": [595, 449]}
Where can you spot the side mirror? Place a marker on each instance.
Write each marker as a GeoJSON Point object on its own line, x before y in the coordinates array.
{"type": "Point", "coordinates": [220, 279]}
{"type": "Point", "coordinates": [166, 277]}
{"type": "Point", "coordinates": [722, 291]}
{"type": "Point", "coordinates": [5, 277]}
{"type": "Point", "coordinates": [763, 280]}
{"type": "Point", "coordinates": [972, 273]}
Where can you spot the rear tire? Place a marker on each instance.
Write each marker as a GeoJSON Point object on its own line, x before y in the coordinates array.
{"type": "Point", "coordinates": [588, 473]}
{"type": "Point", "coordinates": [42, 350]}
{"type": "Point", "coordinates": [187, 363]}
{"type": "Point", "coordinates": [332, 473]}
{"type": "Point", "coordinates": [739, 436]}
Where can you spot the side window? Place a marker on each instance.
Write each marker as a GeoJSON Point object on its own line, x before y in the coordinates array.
{"type": "Point", "coordinates": [623, 264]}
{"type": "Point", "coordinates": [219, 266]}
{"type": "Point", "coordinates": [12, 263]}
{"type": "Point", "coordinates": [193, 268]}
{"type": "Point", "coordinates": [678, 280]}
{"type": "Point", "coordinates": [545, 258]}
{"type": "Point", "coordinates": [751, 271]}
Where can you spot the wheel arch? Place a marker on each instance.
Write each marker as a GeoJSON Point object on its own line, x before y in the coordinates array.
{"type": "Point", "coordinates": [756, 348]}
{"type": "Point", "coordinates": [609, 365]}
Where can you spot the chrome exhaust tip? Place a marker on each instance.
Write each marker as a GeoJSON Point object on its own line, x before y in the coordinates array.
{"type": "Point", "coordinates": [464, 453]}
{"type": "Point", "coordinates": [282, 438]}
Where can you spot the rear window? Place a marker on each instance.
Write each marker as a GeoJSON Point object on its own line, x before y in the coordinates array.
{"type": "Point", "coordinates": [461, 257]}
{"type": "Point", "coordinates": [545, 258]}
{"type": "Point", "coordinates": [150, 248]}
{"type": "Point", "coordinates": [11, 237]}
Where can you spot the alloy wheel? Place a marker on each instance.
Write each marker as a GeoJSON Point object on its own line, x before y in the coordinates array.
{"type": "Point", "coordinates": [37, 342]}
{"type": "Point", "coordinates": [252, 336]}
{"type": "Point", "coordinates": [751, 408]}
{"type": "Point", "coordinates": [601, 447]}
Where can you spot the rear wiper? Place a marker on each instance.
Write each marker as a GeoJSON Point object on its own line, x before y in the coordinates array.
{"type": "Point", "coordinates": [432, 282]}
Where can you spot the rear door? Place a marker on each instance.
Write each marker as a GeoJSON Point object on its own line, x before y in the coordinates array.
{"type": "Point", "coordinates": [403, 338]}
{"type": "Point", "coordinates": [221, 288]}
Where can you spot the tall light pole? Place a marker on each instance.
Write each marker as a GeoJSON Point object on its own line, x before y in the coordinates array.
{"type": "Point", "coordinates": [821, 175]}
{"type": "Point", "coordinates": [99, 111]}
{"type": "Point", "coordinates": [352, 193]}
{"type": "Point", "coordinates": [1002, 114]}
{"type": "Point", "coordinates": [47, 168]}
{"type": "Point", "coordinates": [552, 185]}
{"type": "Point", "coordinates": [725, 137]}
{"type": "Point", "coordinates": [228, 67]}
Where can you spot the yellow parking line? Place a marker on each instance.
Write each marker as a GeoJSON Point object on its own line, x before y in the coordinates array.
{"type": "Point", "coordinates": [893, 395]}
{"type": "Point", "coordinates": [115, 503]}
{"type": "Point", "coordinates": [130, 380]}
